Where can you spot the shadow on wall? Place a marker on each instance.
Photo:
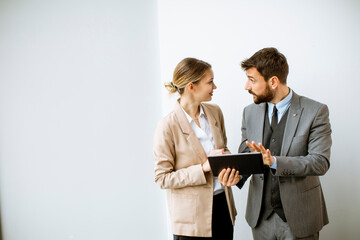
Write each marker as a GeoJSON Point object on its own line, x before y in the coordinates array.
{"type": "Point", "coordinates": [1, 236]}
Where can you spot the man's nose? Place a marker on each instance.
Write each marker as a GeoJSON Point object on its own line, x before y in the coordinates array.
{"type": "Point", "coordinates": [247, 85]}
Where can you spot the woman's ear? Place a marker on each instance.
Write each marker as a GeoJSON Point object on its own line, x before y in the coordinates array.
{"type": "Point", "coordinates": [190, 87]}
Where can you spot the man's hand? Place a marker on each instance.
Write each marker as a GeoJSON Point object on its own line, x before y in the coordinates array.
{"type": "Point", "coordinates": [228, 177]}
{"type": "Point", "coordinates": [268, 159]}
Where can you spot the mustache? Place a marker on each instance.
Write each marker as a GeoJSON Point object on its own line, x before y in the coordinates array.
{"type": "Point", "coordinates": [251, 92]}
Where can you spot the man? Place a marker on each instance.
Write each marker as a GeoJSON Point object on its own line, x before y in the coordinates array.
{"type": "Point", "coordinates": [294, 136]}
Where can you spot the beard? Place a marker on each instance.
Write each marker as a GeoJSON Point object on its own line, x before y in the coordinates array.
{"type": "Point", "coordinates": [265, 97]}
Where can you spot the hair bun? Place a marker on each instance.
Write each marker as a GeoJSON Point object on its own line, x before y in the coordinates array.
{"type": "Point", "coordinates": [171, 87]}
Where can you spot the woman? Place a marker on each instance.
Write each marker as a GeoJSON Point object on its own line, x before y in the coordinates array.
{"type": "Point", "coordinates": [200, 207]}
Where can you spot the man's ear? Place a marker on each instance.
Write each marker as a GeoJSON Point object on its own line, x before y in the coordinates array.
{"type": "Point", "coordinates": [274, 82]}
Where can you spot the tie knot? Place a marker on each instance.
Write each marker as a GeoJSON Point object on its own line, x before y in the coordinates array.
{"type": "Point", "coordinates": [274, 109]}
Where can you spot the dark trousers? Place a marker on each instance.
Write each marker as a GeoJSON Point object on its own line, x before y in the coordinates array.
{"type": "Point", "coordinates": [222, 228]}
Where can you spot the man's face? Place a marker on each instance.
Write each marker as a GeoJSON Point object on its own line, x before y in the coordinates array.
{"type": "Point", "coordinates": [258, 87]}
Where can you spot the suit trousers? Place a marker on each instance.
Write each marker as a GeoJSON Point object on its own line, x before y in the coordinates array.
{"type": "Point", "coordinates": [274, 228]}
{"type": "Point", "coordinates": [222, 228]}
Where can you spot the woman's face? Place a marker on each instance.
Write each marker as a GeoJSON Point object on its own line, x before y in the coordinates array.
{"type": "Point", "coordinates": [203, 90]}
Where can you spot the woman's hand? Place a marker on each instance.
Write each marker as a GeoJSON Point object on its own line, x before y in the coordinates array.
{"type": "Point", "coordinates": [228, 177]}
{"type": "Point", "coordinates": [206, 165]}
{"type": "Point", "coordinates": [217, 152]}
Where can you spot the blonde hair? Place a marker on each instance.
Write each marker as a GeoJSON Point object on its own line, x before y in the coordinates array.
{"type": "Point", "coordinates": [188, 70]}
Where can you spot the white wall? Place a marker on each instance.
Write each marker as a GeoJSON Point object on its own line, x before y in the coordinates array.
{"type": "Point", "coordinates": [78, 79]}
{"type": "Point", "coordinates": [79, 102]}
{"type": "Point", "coordinates": [321, 41]}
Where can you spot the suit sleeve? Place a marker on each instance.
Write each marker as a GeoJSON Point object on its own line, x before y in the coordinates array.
{"type": "Point", "coordinates": [165, 175]}
{"type": "Point", "coordinates": [316, 162]}
{"type": "Point", "coordinates": [243, 148]}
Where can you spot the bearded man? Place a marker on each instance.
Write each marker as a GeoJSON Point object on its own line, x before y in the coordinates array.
{"type": "Point", "coordinates": [293, 134]}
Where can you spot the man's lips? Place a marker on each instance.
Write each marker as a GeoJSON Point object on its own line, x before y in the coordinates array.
{"type": "Point", "coordinates": [254, 95]}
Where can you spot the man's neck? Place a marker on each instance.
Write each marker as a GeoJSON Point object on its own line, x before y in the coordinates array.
{"type": "Point", "coordinates": [280, 93]}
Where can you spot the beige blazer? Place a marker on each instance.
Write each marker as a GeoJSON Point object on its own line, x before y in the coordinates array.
{"type": "Point", "coordinates": [178, 158]}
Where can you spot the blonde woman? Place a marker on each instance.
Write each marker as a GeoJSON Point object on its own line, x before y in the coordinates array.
{"type": "Point", "coordinates": [200, 207]}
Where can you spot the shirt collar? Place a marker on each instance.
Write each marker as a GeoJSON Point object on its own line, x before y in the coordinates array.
{"type": "Point", "coordinates": [283, 105]}
{"type": "Point", "coordinates": [188, 116]}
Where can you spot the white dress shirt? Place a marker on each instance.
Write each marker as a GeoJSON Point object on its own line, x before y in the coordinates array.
{"type": "Point", "coordinates": [206, 139]}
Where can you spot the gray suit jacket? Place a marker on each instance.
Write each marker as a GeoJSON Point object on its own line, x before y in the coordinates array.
{"type": "Point", "coordinates": [305, 155]}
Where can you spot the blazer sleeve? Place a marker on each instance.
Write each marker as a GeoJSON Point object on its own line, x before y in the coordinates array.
{"type": "Point", "coordinates": [165, 157]}
{"type": "Point", "coordinates": [316, 160]}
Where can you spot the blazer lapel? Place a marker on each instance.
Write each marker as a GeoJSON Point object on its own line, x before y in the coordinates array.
{"type": "Point", "coordinates": [292, 122]}
{"type": "Point", "coordinates": [191, 137]}
{"type": "Point", "coordinates": [214, 127]}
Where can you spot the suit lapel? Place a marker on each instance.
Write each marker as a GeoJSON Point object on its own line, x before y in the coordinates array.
{"type": "Point", "coordinates": [258, 122]}
{"type": "Point", "coordinates": [292, 122]}
{"type": "Point", "coordinates": [191, 137]}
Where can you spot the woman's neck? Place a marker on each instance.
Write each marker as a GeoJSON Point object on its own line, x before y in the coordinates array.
{"type": "Point", "coordinates": [190, 106]}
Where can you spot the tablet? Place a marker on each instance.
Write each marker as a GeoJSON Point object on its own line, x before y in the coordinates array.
{"type": "Point", "coordinates": [245, 163]}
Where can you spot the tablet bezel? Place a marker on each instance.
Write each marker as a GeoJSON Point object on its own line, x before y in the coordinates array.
{"type": "Point", "coordinates": [245, 163]}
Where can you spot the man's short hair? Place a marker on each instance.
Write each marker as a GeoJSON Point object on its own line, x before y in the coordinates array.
{"type": "Point", "coordinates": [268, 62]}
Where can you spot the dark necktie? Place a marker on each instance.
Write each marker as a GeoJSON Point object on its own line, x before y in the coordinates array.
{"type": "Point", "coordinates": [274, 119]}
